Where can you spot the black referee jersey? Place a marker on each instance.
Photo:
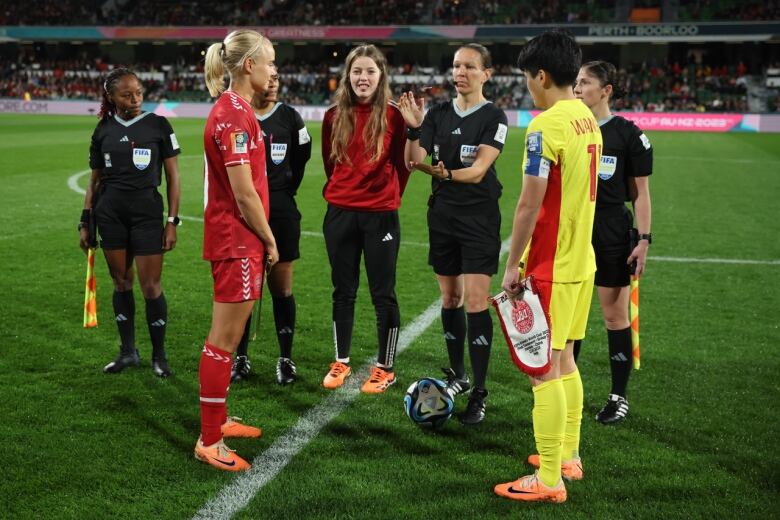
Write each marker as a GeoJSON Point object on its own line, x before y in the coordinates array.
{"type": "Point", "coordinates": [131, 153]}
{"type": "Point", "coordinates": [626, 153]}
{"type": "Point", "coordinates": [287, 147]}
{"type": "Point", "coordinates": [452, 136]}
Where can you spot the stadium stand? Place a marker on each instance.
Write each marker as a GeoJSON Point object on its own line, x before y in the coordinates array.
{"type": "Point", "coordinates": [365, 12]}
{"type": "Point", "coordinates": [672, 87]}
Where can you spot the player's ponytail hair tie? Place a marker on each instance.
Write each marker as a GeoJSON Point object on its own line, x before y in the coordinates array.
{"type": "Point", "coordinates": [105, 86]}
{"type": "Point", "coordinates": [222, 49]}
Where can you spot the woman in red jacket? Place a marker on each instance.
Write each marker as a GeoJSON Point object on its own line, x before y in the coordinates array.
{"type": "Point", "coordinates": [363, 138]}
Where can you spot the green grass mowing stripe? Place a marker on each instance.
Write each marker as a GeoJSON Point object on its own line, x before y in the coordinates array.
{"type": "Point", "coordinates": [707, 390]}
{"type": "Point", "coordinates": [267, 465]}
{"type": "Point", "coordinates": [73, 184]}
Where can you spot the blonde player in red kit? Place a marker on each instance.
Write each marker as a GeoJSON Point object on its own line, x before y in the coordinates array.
{"type": "Point", "coordinates": [237, 237]}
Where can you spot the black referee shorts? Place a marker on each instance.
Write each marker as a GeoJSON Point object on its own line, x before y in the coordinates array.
{"type": "Point", "coordinates": [463, 241]}
{"type": "Point", "coordinates": [285, 222]}
{"type": "Point", "coordinates": [131, 220]}
{"type": "Point", "coordinates": [612, 245]}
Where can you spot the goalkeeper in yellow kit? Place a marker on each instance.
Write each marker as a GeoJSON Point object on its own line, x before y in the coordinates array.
{"type": "Point", "coordinates": [553, 223]}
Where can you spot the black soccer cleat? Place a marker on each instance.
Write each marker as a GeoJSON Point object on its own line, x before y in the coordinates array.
{"type": "Point", "coordinates": [122, 361]}
{"type": "Point", "coordinates": [240, 370]}
{"type": "Point", "coordinates": [475, 409]}
{"type": "Point", "coordinates": [160, 367]}
{"type": "Point", "coordinates": [456, 385]}
{"type": "Point", "coordinates": [614, 411]}
{"type": "Point", "coordinates": [285, 371]}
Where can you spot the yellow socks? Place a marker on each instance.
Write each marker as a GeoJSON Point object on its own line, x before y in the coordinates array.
{"type": "Point", "coordinates": [572, 387]}
{"type": "Point", "coordinates": [549, 416]}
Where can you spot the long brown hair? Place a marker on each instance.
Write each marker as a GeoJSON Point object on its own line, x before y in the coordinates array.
{"type": "Point", "coordinates": [229, 56]}
{"type": "Point", "coordinates": [344, 122]}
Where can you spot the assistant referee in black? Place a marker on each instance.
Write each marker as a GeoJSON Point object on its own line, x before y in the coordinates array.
{"type": "Point", "coordinates": [464, 138]}
{"type": "Point", "coordinates": [128, 152]}
{"type": "Point", "coordinates": [624, 175]}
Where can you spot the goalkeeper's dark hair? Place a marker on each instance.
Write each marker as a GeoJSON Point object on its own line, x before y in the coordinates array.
{"type": "Point", "coordinates": [606, 74]}
{"type": "Point", "coordinates": [107, 107]}
{"type": "Point", "coordinates": [555, 52]}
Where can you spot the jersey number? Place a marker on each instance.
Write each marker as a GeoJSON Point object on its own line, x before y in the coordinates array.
{"type": "Point", "coordinates": [595, 154]}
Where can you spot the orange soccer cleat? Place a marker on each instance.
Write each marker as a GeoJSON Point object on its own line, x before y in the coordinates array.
{"type": "Point", "coordinates": [233, 427]}
{"type": "Point", "coordinates": [336, 375]}
{"type": "Point", "coordinates": [570, 470]}
{"type": "Point", "coordinates": [220, 456]}
{"type": "Point", "coordinates": [379, 381]}
{"type": "Point", "coordinates": [531, 489]}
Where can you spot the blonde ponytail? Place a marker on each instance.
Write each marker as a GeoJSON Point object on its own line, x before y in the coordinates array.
{"type": "Point", "coordinates": [214, 70]}
{"type": "Point", "coordinates": [229, 56]}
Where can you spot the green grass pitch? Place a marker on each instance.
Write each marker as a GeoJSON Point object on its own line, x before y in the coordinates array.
{"type": "Point", "coordinates": [700, 441]}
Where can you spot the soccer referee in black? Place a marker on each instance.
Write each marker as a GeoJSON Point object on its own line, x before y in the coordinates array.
{"type": "Point", "coordinates": [287, 150]}
{"type": "Point", "coordinates": [464, 138]}
{"type": "Point", "coordinates": [129, 150]}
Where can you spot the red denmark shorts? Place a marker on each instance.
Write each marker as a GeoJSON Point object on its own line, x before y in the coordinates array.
{"type": "Point", "coordinates": [237, 279]}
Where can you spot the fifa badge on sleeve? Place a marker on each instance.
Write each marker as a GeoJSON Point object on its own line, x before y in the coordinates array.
{"type": "Point", "coordinates": [526, 329]}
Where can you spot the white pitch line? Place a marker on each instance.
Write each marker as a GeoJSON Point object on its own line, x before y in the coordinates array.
{"type": "Point", "coordinates": [73, 182]}
{"type": "Point", "coordinates": [716, 159]}
{"type": "Point", "coordinates": [713, 260]}
{"type": "Point", "coordinates": [266, 466]}
{"type": "Point", "coordinates": [73, 185]}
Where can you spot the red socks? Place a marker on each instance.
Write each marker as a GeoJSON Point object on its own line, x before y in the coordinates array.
{"type": "Point", "coordinates": [214, 377]}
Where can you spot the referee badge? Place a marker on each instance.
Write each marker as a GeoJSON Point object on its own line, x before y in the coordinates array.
{"type": "Point", "coordinates": [468, 154]}
{"type": "Point", "coordinates": [278, 152]}
{"type": "Point", "coordinates": [142, 157]}
{"type": "Point", "coordinates": [607, 167]}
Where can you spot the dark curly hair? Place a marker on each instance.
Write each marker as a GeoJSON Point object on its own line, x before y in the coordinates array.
{"type": "Point", "coordinates": [606, 73]}
{"type": "Point", "coordinates": [107, 108]}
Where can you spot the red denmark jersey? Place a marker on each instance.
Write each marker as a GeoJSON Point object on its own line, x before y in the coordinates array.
{"type": "Point", "coordinates": [364, 185]}
{"type": "Point", "coordinates": [232, 137]}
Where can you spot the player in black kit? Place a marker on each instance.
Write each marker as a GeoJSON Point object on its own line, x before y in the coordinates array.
{"type": "Point", "coordinates": [464, 138]}
{"type": "Point", "coordinates": [287, 150]}
{"type": "Point", "coordinates": [626, 164]}
{"type": "Point", "coordinates": [128, 152]}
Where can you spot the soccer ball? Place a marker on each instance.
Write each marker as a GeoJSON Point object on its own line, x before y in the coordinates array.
{"type": "Point", "coordinates": [428, 403]}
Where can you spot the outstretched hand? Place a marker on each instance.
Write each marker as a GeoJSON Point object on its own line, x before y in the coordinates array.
{"type": "Point", "coordinates": [412, 109]}
{"type": "Point", "coordinates": [437, 171]}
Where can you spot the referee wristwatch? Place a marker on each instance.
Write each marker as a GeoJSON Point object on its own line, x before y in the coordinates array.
{"type": "Point", "coordinates": [646, 236]}
{"type": "Point", "coordinates": [176, 221]}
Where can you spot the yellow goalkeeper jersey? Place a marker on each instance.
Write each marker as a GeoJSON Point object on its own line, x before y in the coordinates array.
{"type": "Point", "coordinates": [563, 145]}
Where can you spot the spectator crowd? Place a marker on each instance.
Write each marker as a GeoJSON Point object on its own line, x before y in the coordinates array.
{"type": "Point", "coordinates": [367, 12]}
{"type": "Point", "coordinates": [649, 87]}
